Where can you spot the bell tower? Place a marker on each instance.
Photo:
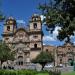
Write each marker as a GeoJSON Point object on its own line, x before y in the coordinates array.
{"type": "Point", "coordinates": [9, 29]}
{"type": "Point", "coordinates": [35, 35]}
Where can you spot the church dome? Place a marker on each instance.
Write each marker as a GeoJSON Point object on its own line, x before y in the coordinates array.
{"type": "Point", "coordinates": [35, 17]}
{"type": "Point", "coordinates": [10, 21]}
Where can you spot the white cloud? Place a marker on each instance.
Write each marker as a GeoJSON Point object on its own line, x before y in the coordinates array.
{"type": "Point", "coordinates": [21, 21]}
{"type": "Point", "coordinates": [72, 39]}
{"type": "Point", "coordinates": [73, 42]}
{"type": "Point", "coordinates": [55, 32]}
{"type": "Point", "coordinates": [42, 17]}
{"type": "Point", "coordinates": [52, 37]}
{"type": "Point", "coordinates": [48, 38]}
{"type": "Point", "coordinates": [44, 44]}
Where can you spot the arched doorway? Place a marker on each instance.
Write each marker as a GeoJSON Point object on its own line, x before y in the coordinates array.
{"type": "Point", "coordinates": [20, 60]}
{"type": "Point", "coordinates": [70, 62]}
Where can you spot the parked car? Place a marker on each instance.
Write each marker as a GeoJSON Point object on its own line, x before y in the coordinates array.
{"type": "Point", "coordinates": [60, 65]}
{"type": "Point", "coordinates": [48, 66]}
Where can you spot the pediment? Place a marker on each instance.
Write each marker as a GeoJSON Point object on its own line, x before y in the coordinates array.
{"type": "Point", "coordinates": [20, 30]}
{"type": "Point", "coordinates": [20, 36]}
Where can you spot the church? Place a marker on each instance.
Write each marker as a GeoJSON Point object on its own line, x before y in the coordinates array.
{"type": "Point", "coordinates": [27, 43]}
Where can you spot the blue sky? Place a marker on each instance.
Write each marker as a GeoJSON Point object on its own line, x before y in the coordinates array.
{"type": "Point", "coordinates": [22, 10]}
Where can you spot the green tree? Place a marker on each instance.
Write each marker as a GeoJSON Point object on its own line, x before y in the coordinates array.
{"type": "Point", "coordinates": [2, 17]}
{"type": "Point", "coordinates": [43, 58]}
{"type": "Point", "coordinates": [60, 13]}
{"type": "Point", "coordinates": [5, 53]}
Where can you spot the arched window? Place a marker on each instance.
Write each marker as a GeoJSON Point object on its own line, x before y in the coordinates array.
{"type": "Point", "coordinates": [35, 25]}
{"type": "Point", "coordinates": [61, 60]}
{"type": "Point", "coordinates": [35, 19]}
{"type": "Point", "coordinates": [35, 45]}
{"type": "Point", "coordinates": [8, 28]}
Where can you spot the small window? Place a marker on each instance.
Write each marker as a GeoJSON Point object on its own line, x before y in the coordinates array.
{"type": "Point", "coordinates": [46, 50]}
{"type": "Point", "coordinates": [6, 38]}
{"type": "Point", "coordinates": [68, 48]}
{"type": "Point", "coordinates": [35, 36]}
{"type": "Point", "coordinates": [35, 25]}
{"type": "Point", "coordinates": [8, 28]}
{"type": "Point", "coordinates": [35, 45]}
{"type": "Point", "coordinates": [60, 60]}
{"type": "Point", "coordinates": [34, 19]}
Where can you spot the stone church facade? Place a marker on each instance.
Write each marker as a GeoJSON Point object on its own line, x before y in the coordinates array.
{"type": "Point", "coordinates": [27, 43]}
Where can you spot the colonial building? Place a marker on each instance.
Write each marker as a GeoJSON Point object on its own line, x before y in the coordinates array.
{"type": "Point", "coordinates": [64, 55]}
{"type": "Point", "coordinates": [27, 43]}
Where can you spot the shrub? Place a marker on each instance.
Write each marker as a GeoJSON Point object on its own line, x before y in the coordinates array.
{"type": "Point", "coordinates": [55, 72]}
{"type": "Point", "coordinates": [17, 72]}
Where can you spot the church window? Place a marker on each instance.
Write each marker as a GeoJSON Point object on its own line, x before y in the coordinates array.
{"type": "Point", "coordinates": [8, 28]}
{"type": "Point", "coordinates": [46, 50]}
{"type": "Point", "coordinates": [35, 25]}
{"type": "Point", "coordinates": [68, 48]}
{"type": "Point", "coordinates": [34, 19]}
{"type": "Point", "coordinates": [35, 45]}
{"type": "Point", "coordinates": [35, 36]}
{"type": "Point", "coordinates": [6, 38]}
{"type": "Point", "coordinates": [60, 60]}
